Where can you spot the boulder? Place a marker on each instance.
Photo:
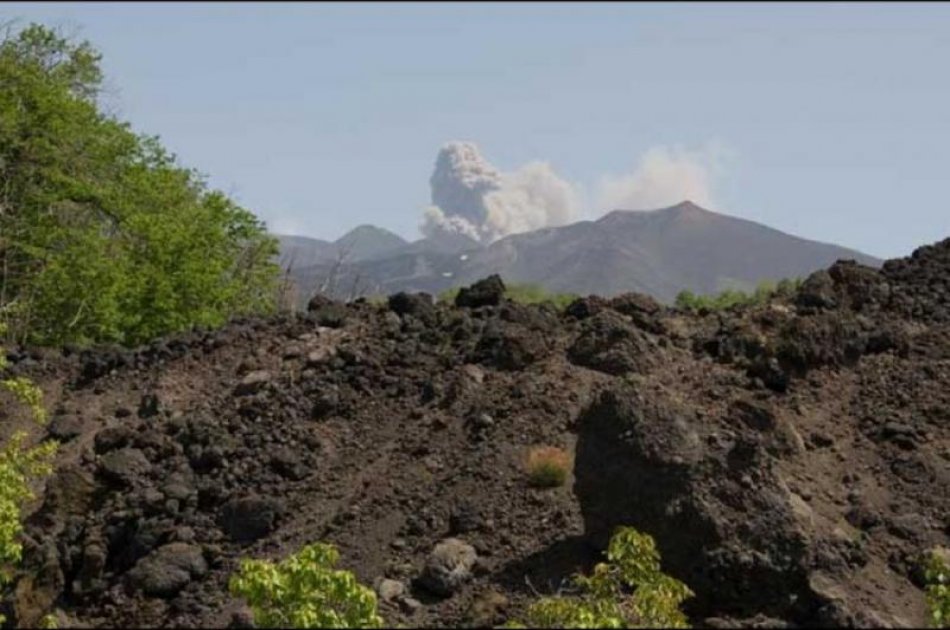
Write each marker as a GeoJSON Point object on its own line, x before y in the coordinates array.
{"type": "Point", "coordinates": [111, 438]}
{"type": "Point", "coordinates": [288, 464]}
{"type": "Point", "coordinates": [817, 291]}
{"type": "Point", "coordinates": [448, 567]}
{"type": "Point", "coordinates": [168, 569]}
{"type": "Point", "coordinates": [252, 382]}
{"type": "Point", "coordinates": [124, 465]}
{"type": "Point", "coordinates": [585, 307]}
{"type": "Point", "coordinates": [65, 428]}
{"type": "Point", "coordinates": [417, 304]}
{"type": "Point", "coordinates": [36, 593]}
{"type": "Point", "coordinates": [487, 292]}
{"type": "Point", "coordinates": [722, 518]}
{"type": "Point", "coordinates": [390, 590]}
{"type": "Point", "coordinates": [488, 610]}
{"type": "Point", "coordinates": [248, 518]}
{"type": "Point", "coordinates": [326, 312]}
{"type": "Point", "coordinates": [510, 347]}
{"type": "Point", "coordinates": [608, 343]}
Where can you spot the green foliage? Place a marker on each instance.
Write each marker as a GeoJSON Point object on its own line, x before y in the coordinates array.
{"type": "Point", "coordinates": [448, 296]}
{"type": "Point", "coordinates": [536, 294]}
{"type": "Point", "coordinates": [305, 591]}
{"type": "Point", "coordinates": [103, 236]}
{"type": "Point", "coordinates": [730, 298]}
{"type": "Point", "coordinates": [628, 591]}
{"type": "Point", "coordinates": [523, 294]}
{"type": "Point", "coordinates": [19, 466]}
{"type": "Point", "coordinates": [937, 577]}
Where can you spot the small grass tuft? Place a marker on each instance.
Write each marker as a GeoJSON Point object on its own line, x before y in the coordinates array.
{"type": "Point", "coordinates": [547, 466]}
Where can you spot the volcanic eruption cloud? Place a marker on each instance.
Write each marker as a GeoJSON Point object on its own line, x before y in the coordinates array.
{"type": "Point", "coordinates": [471, 197]}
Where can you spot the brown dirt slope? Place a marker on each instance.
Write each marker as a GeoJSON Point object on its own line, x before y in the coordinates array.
{"type": "Point", "coordinates": [791, 459]}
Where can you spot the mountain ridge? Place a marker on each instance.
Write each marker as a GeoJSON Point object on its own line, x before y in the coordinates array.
{"type": "Point", "coordinates": [660, 252]}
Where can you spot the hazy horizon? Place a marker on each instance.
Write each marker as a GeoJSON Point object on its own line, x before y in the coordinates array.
{"type": "Point", "coordinates": [828, 122]}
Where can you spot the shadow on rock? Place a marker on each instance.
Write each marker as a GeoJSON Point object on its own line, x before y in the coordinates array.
{"type": "Point", "coordinates": [720, 516]}
{"type": "Point", "coordinates": [546, 571]}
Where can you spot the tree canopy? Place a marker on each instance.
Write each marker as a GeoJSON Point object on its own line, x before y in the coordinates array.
{"type": "Point", "coordinates": [103, 235]}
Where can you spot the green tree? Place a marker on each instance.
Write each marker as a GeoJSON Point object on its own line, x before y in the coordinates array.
{"type": "Point", "coordinates": [103, 236]}
{"type": "Point", "coordinates": [305, 591]}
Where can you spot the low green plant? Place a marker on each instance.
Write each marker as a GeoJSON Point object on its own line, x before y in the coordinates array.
{"type": "Point", "coordinates": [305, 591]}
{"type": "Point", "coordinates": [627, 591]}
{"type": "Point", "coordinates": [766, 290]}
{"type": "Point", "coordinates": [937, 577]}
{"type": "Point", "coordinates": [20, 466]}
{"type": "Point", "coordinates": [536, 294]}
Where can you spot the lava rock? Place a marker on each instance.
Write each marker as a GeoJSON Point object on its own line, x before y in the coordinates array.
{"type": "Point", "coordinates": [609, 344]}
{"type": "Point", "coordinates": [320, 355]}
{"type": "Point", "coordinates": [326, 312]}
{"type": "Point", "coordinates": [125, 465]}
{"type": "Point", "coordinates": [65, 428]}
{"type": "Point", "coordinates": [487, 292]}
{"type": "Point", "coordinates": [511, 348]}
{"type": "Point", "coordinates": [168, 569]}
{"type": "Point", "coordinates": [390, 590]}
{"type": "Point", "coordinates": [817, 291]}
{"type": "Point", "coordinates": [417, 304]}
{"type": "Point", "coordinates": [287, 464]}
{"type": "Point", "coordinates": [252, 382]}
{"type": "Point", "coordinates": [488, 610]}
{"type": "Point", "coordinates": [93, 563]}
{"type": "Point", "coordinates": [249, 518]}
{"type": "Point", "coordinates": [149, 406]}
{"type": "Point", "coordinates": [448, 567]}
{"type": "Point", "coordinates": [585, 307]}
{"type": "Point", "coordinates": [111, 438]}
{"type": "Point", "coordinates": [317, 302]}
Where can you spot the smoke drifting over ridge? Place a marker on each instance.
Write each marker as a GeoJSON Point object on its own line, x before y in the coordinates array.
{"type": "Point", "coordinates": [473, 198]}
{"type": "Point", "coordinates": [663, 177]}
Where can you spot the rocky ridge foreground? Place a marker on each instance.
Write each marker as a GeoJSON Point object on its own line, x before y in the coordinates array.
{"type": "Point", "coordinates": [792, 460]}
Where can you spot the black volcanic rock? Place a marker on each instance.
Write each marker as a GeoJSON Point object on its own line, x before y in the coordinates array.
{"type": "Point", "coordinates": [487, 292]}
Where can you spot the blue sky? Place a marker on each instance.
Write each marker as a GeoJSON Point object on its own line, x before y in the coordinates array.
{"type": "Point", "coordinates": [830, 121]}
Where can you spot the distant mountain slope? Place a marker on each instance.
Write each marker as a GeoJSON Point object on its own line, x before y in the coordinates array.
{"type": "Point", "coordinates": [365, 242]}
{"type": "Point", "coordinates": [660, 252]}
{"type": "Point", "coordinates": [297, 252]}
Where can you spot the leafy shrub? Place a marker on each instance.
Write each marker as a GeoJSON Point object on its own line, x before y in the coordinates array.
{"type": "Point", "coordinates": [627, 591]}
{"type": "Point", "coordinates": [689, 301]}
{"type": "Point", "coordinates": [19, 467]}
{"type": "Point", "coordinates": [937, 577]}
{"type": "Point", "coordinates": [305, 591]}
{"type": "Point", "coordinates": [103, 235]}
{"type": "Point", "coordinates": [547, 466]}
